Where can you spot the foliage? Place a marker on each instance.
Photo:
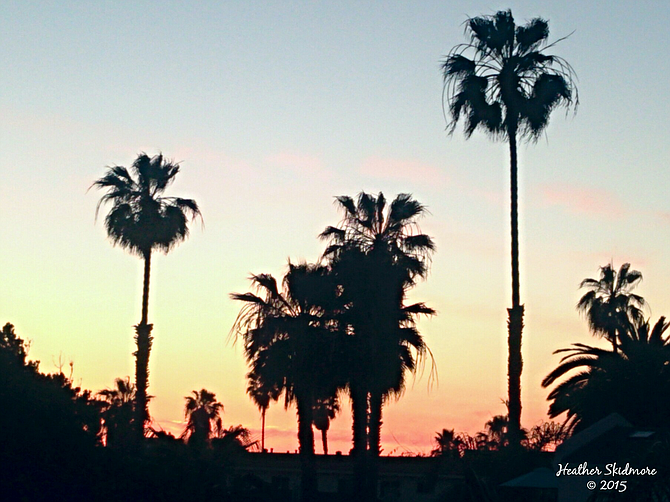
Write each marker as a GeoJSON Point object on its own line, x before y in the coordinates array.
{"type": "Point", "coordinates": [141, 218]}
{"type": "Point", "coordinates": [292, 344]}
{"type": "Point", "coordinates": [47, 427]}
{"type": "Point", "coordinates": [447, 443]}
{"type": "Point", "coordinates": [325, 410]}
{"type": "Point", "coordinates": [203, 414]}
{"type": "Point", "coordinates": [117, 413]}
{"type": "Point", "coordinates": [633, 381]}
{"type": "Point", "coordinates": [502, 80]}
{"type": "Point", "coordinates": [546, 436]}
{"type": "Point", "coordinates": [377, 253]}
{"type": "Point", "coordinates": [609, 304]}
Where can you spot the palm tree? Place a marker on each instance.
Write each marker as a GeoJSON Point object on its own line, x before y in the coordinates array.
{"type": "Point", "coordinates": [497, 432]}
{"type": "Point", "coordinates": [377, 253]}
{"type": "Point", "coordinates": [609, 305]}
{"type": "Point", "coordinates": [234, 438]}
{"type": "Point", "coordinates": [504, 83]}
{"type": "Point", "coordinates": [261, 395]}
{"type": "Point", "coordinates": [291, 343]}
{"type": "Point", "coordinates": [633, 381]}
{"type": "Point", "coordinates": [203, 414]}
{"type": "Point", "coordinates": [447, 444]}
{"type": "Point", "coordinates": [546, 436]}
{"type": "Point", "coordinates": [325, 410]}
{"type": "Point", "coordinates": [142, 220]}
{"type": "Point", "coordinates": [117, 413]}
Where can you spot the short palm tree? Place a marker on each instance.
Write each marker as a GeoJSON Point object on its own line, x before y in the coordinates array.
{"type": "Point", "coordinates": [503, 82]}
{"type": "Point", "coordinates": [448, 444]}
{"type": "Point", "coordinates": [609, 304]}
{"type": "Point", "coordinates": [117, 413]}
{"type": "Point", "coordinates": [261, 394]}
{"type": "Point", "coordinates": [291, 343]}
{"type": "Point", "coordinates": [633, 381]}
{"type": "Point", "coordinates": [325, 410]}
{"type": "Point", "coordinates": [203, 414]}
{"type": "Point", "coordinates": [142, 220]}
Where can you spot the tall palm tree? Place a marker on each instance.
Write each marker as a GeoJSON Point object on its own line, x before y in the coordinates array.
{"type": "Point", "coordinates": [504, 83]}
{"type": "Point", "coordinates": [261, 394]}
{"type": "Point", "coordinates": [117, 413]}
{"type": "Point", "coordinates": [325, 410]}
{"type": "Point", "coordinates": [291, 344]}
{"type": "Point", "coordinates": [377, 253]}
{"type": "Point", "coordinates": [633, 381]}
{"type": "Point", "coordinates": [203, 414]}
{"type": "Point", "coordinates": [609, 304]}
{"type": "Point", "coordinates": [142, 220]}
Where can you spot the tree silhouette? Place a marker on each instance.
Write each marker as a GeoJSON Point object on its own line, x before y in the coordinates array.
{"type": "Point", "coordinates": [203, 414]}
{"type": "Point", "coordinates": [261, 394]}
{"type": "Point", "coordinates": [633, 381]}
{"type": "Point", "coordinates": [377, 253]}
{"type": "Point", "coordinates": [447, 444]}
{"type": "Point", "coordinates": [609, 305]}
{"type": "Point", "coordinates": [291, 343]}
{"type": "Point", "coordinates": [325, 410]}
{"type": "Point", "coordinates": [142, 220]}
{"type": "Point", "coordinates": [117, 413]}
{"type": "Point", "coordinates": [504, 83]}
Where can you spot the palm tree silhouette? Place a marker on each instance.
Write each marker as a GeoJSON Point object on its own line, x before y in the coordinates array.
{"type": "Point", "coordinates": [447, 444]}
{"type": "Point", "coordinates": [291, 343]}
{"type": "Point", "coordinates": [142, 220]}
{"type": "Point", "coordinates": [261, 395]}
{"type": "Point", "coordinates": [203, 414]}
{"type": "Point", "coordinates": [633, 381]}
{"type": "Point", "coordinates": [508, 87]}
{"type": "Point", "coordinates": [325, 410]}
{"type": "Point", "coordinates": [377, 253]}
{"type": "Point", "coordinates": [609, 305]}
{"type": "Point", "coordinates": [117, 413]}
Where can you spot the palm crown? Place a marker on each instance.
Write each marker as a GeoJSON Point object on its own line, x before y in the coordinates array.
{"type": "Point", "coordinates": [508, 85]}
{"type": "Point", "coordinates": [609, 303]}
{"type": "Point", "coordinates": [201, 410]}
{"type": "Point", "coordinates": [633, 381]}
{"type": "Point", "coordinates": [141, 219]}
{"type": "Point", "coordinates": [368, 226]}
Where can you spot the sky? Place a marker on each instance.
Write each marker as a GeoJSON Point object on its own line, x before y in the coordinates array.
{"type": "Point", "coordinates": [275, 108]}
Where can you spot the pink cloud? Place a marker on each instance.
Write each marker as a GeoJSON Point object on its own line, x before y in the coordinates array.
{"type": "Point", "coordinates": [584, 201]}
{"type": "Point", "coordinates": [404, 170]}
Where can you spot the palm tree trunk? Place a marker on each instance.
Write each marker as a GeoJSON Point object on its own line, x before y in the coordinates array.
{"type": "Point", "coordinates": [324, 440]}
{"type": "Point", "coordinates": [145, 289]}
{"type": "Point", "coordinates": [263, 430]}
{"type": "Point", "coordinates": [143, 340]}
{"type": "Point", "coordinates": [376, 404]}
{"type": "Point", "coordinates": [515, 314]}
{"type": "Point", "coordinates": [359, 412]}
{"type": "Point", "coordinates": [308, 486]}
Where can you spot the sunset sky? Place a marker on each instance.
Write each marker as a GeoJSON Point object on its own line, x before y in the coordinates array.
{"type": "Point", "coordinates": [274, 108]}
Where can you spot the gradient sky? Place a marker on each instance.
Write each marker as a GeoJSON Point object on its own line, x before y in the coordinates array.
{"type": "Point", "coordinates": [273, 108]}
